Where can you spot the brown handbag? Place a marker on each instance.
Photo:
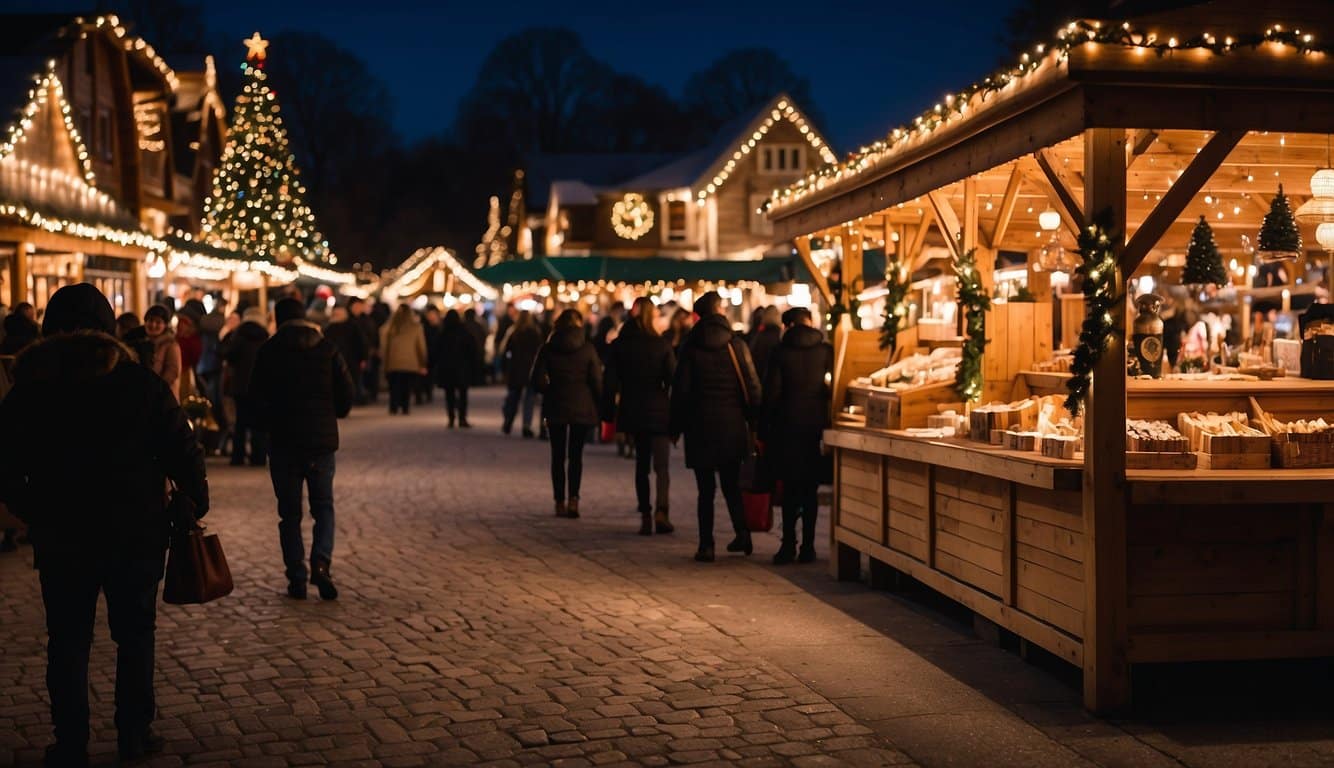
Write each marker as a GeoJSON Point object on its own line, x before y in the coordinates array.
{"type": "Point", "coordinates": [197, 570]}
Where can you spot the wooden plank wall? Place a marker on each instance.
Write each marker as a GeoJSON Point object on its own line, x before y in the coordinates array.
{"type": "Point", "coordinates": [969, 526]}
{"type": "Point", "coordinates": [861, 494]}
{"type": "Point", "coordinates": [1049, 556]}
{"type": "Point", "coordinates": [908, 499]}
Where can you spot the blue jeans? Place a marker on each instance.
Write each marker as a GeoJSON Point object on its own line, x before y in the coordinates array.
{"type": "Point", "coordinates": [317, 474]}
{"type": "Point", "coordinates": [511, 407]}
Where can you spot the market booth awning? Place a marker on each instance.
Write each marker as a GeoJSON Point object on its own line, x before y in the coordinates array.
{"type": "Point", "coordinates": [654, 269]}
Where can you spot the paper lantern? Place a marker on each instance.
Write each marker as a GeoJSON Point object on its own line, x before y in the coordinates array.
{"type": "Point", "coordinates": [1324, 234]}
{"type": "Point", "coordinates": [1049, 220]}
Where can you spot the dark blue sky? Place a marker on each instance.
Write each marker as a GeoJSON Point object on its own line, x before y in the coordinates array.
{"type": "Point", "coordinates": [872, 65]}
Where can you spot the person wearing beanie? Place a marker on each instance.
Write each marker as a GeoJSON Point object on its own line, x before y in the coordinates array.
{"type": "Point", "coordinates": [300, 387]}
{"type": "Point", "coordinates": [166, 361]}
{"type": "Point", "coordinates": [96, 516]}
{"type": "Point", "coordinates": [715, 397]}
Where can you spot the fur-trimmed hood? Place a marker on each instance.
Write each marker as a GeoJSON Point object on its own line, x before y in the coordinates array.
{"type": "Point", "coordinates": [71, 357]}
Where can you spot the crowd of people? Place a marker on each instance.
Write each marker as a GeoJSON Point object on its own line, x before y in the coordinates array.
{"type": "Point", "coordinates": [276, 384]}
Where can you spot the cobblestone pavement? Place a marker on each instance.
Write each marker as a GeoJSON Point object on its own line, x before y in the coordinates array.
{"type": "Point", "coordinates": [474, 628]}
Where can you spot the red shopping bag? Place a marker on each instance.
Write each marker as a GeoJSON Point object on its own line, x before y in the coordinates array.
{"type": "Point", "coordinates": [608, 434]}
{"type": "Point", "coordinates": [759, 511]}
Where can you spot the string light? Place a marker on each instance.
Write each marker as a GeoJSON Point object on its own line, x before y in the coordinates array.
{"type": "Point", "coordinates": [1055, 53]}
{"type": "Point", "coordinates": [783, 110]}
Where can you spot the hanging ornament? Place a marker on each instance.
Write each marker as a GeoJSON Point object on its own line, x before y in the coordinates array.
{"type": "Point", "coordinates": [1204, 264]}
{"type": "Point", "coordinates": [1280, 239]}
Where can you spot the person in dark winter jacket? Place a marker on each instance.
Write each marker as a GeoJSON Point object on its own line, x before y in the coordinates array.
{"type": "Point", "coordinates": [764, 339]}
{"type": "Point", "coordinates": [302, 387]}
{"type": "Point", "coordinates": [91, 492]}
{"type": "Point", "coordinates": [520, 350]}
{"type": "Point", "coordinates": [424, 390]}
{"type": "Point", "coordinates": [476, 328]}
{"type": "Point", "coordinates": [715, 396]}
{"type": "Point", "coordinates": [369, 376]}
{"type": "Point", "coordinates": [348, 335]}
{"type": "Point", "coordinates": [455, 364]}
{"type": "Point", "coordinates": [640, 364]}
{"type": "Point", "coordinates": [796, 413]}
{"type": "Point", "coordinates": [239, 352]}
{"type": "Point", "coordinates": [569, 375]}
{"type": "Point", "coordinates": [20, 330]}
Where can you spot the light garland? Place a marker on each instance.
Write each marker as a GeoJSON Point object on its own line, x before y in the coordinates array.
{"type": "Point", "coordinates": [137, 45]}
{"type": "Point", "coordinates": [1101, 293]}
{"type": "Point", "coordinates": [425, 259]}
{"type": "Point", "coordinates": [45, 86]}
{"type": "Point", "coordinates": [1077, 33]}
{"type": "Point", "coordinates": [783, 110]}
{"type": "Point", "coordinates": [98, 232]}
{"type": "Point", "coordinates": [632, 217]}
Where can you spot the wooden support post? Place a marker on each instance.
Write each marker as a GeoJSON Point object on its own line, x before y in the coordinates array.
{"type": "Point", "coordinates": [1138, 142]}
{"type": "Point", "coordinates": [972, 235]}
{"type": "Point", "coordinates": [847, 563]}
{"type": "Point", "coordinates": [1061, 192]}
{"type": "Point", "coordinates": [803, 246]}
{"type": "Point", "coordinates": [264, 293]}
{"type": "Point", "coordinates": [18, 274]}
{"type": "Point", "coordinates": [852, 263]}
{"type": "Point", "coordinates": [1106, 670]}
{"type": "Point", "coordinates": [139, 290]}
{"type": "Point", "coordinates": [918, 245]}
{"type": "Point", "coordinates": [1006, 212]}
{"type": "Point", "coordinates": [946, 219]}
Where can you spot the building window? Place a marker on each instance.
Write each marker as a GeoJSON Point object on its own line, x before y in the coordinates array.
{"type": "Point", "coordinates": [105, 144]}
{"type": "Point", "coordinates": [759, 222]}
{"type": "Point", "coordinates": [781, 159]}
{"type": "Point", "coordinates": [676, 221]}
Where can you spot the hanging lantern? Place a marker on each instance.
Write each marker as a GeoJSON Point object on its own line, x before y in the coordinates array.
{"type": "Point", "coordinates": [1324, 235]}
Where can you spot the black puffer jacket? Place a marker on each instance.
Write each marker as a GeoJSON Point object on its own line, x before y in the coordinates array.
{"type": "Point", "coordinates": [239, 351]}
{"type": "Point", "coordinates": [762, 346]}
{"type": "Point", "coordinates": [302, 387]}
{"type": "Point", "coordinates": [639, 370]}
{"type": "Point", "coordinates": [520, 353]}
{"type": "Point", "coordinates": [709, 405]}
{"type": "Point", "coordinates": [90, 437]}
{"type": "Point", "coordinates": [569, 375]}
{"type": "Point", "coordinates": [454, 357]}
{"type": "Point", "coordinates": [796, 389]}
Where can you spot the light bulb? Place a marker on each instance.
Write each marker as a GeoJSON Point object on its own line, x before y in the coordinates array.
{"type": "Point", "coordinates": [1324, 235]}
{"type": "Point", "coordinates": [1049, 220]}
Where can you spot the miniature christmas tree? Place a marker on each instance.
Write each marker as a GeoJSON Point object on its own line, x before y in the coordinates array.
{"type": "Point", "coordinates": [258, 201]}
{"type": "Point", "coordinates": [1279, 236]}
{"type": "Point", "coordinates": [1204, 264]}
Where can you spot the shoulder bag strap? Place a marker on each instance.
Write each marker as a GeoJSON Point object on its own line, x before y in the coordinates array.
{"type": "Point", "coordinates": [740, 379]}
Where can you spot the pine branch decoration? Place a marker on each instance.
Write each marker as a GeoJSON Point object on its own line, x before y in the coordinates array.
{"type": "Point", "coordinates": [1098, 268]}
{"type": "Point", "coordinates": [1204, 264]}
{"type": "Point", "coordinates": [896, 306]}
{"type": "Point", "coordinates": [974, 301]}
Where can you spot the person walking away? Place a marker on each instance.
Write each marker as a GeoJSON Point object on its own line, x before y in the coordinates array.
{"type": "Point", "coordinates": [638, 377]}
{"type": "Point", "coordinates": [678, 328]}
{"type": "Point", "coordinates": [96, 516]}
{"type": "Point", "coordinates": [796, 413]}
{"type": "Point", "coordinates": [370, 330]}
{"type": "Point", "coordinates": [504, 324]}
{"type": "Point", "coordinates": [476, 328]}
{"type": "Point", "coordinates": [715, 395]}
{"type": "Point", "coordinates": [519, 350]}
{"type": "Point", "coordinates": [349, 338]}
{"type": "Point", "coordinates": [302, 387]}
{"type": "Point", "coordinates": [21, 330]}
{"type": "Point", "coordinates": [569, 375]}
{"type": "Point", "coordinates": [424, 386]}
{"type": "Point", "coordinates": [239, 352]}
{"type": "Point", "coordinates": [765, 339]}
{"type": "Point", "coordinates": [166, 361]}
{"type": "Point", "coordinates": [403, 347]}
{"type": "Point", "coordinates": [455, 366]}
{"type": "Point", "coordinates": [209, 371]}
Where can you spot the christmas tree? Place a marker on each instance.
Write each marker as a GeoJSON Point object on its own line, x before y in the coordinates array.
{"type": "Point", "coordinates": [1204, 264]}
{"type": "Point", "coordinates": [258, 201]}
{"type": "Point", "coordinates": [1279, 236]}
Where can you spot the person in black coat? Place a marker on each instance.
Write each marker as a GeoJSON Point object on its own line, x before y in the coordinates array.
{"type": "Point", "coordinates": [796, 413]}
{"type": "Point", "coordinates": [764, 339]}
{"type": "Point", "coordinates": [454, 366]}
{"type": "Point", "coordinates": [91, 492]}
{"type": "Point", "coordinates": [239, 350]}
{"type": "Point", "coordinates": [425, 385]}
{"type": "Point", "coordinates": [640, 364]}
{"type": "Point", "coordinates": [348, 334]}
{"type": "Point", "coordinates": [20, 330]}
{"type": "Point", "coordinates": [519, 349]}
{"type": "Point", "coordinates": [476, 328]}
{"type": "Point", "coordinates": [569, 375]}
{"type": "Point", "coordinates": [715, 397]}
{"type": "Point", "coordinates": [302, 387]}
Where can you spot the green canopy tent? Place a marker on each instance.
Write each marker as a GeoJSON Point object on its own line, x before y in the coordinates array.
{"type": "Point", "coordinates": [653, 269]}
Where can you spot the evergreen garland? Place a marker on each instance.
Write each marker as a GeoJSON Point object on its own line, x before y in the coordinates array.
{"type": "Point", "coordinates": [1098, 269]}
{"type": "Point", "coordinates": [1279, 235]}
{"type": "Point", "coordinates": [896, 306]}
{"type": "Point", "coordinates": [1204, 264]}
{"type": "Point", "coordinates": [974, 301]}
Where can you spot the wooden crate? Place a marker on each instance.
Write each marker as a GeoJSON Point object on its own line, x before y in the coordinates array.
{"type": "Point", "coordinates": [860, 488]}
{"type": "Point", "coordinates": [1303, 450]}
{"type": "Point", "coordinates": [1153, 460]}
{"type": "Point", "coordinates": [1234, 460]}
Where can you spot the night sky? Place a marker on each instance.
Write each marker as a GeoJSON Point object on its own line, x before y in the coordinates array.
{"type": "Point", "coordinates": [872, 65]}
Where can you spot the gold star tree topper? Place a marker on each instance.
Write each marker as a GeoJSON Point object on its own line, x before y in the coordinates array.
{"type": "Point", "coordinates": [256, 48]}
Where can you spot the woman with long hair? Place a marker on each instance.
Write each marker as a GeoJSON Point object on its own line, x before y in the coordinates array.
{"type": "Point", "coordinates": [568, 374]}
{"type": "Point", "coordinates": [639, 371]}
{"type": "Point", "coordinates": [456, 363]}
{"type": "Point", "coordinates": [403, 347]}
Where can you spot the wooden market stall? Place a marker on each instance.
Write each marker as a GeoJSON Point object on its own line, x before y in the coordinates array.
{"type": "Point", "coordinates": [436, 274]}
{"type": "Point", "coordinates": [1129, 131]}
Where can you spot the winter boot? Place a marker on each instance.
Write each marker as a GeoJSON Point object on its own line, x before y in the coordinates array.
{"type": "Point", "coordinates": [662, 522]}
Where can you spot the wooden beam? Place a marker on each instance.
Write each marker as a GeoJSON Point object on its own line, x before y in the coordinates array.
{"type": "Point", "coordinates": [1006, 212]}
{"type": "Point", "coordinates": [1060, 192]}
{"type": "Point", "coordinates": [803, 245]}
{"type": "Point", "coordinates": [18, 274]}
{"type": "Point", "coordinates": [1191, 181]}
{"type": "Point", "coordinates": [972, 230]}
{"type": "Point", "coordinates": [918, 244]}
{"type": "Point", "coordinates": [946, 219]}
{"type": "Point", "coordinates": [852, 264]}
{"type": "Point", "coordinates": [1106, 668]}
{"type": "Point", "coordinates": [1138, 142]}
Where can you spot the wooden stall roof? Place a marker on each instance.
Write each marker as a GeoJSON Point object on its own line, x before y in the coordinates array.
{"type": "Point", "coordinates": [1269, 105]}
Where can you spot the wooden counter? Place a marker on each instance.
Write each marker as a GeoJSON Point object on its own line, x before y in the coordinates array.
{"type": "Point", "coordinates": [1220, 564]}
